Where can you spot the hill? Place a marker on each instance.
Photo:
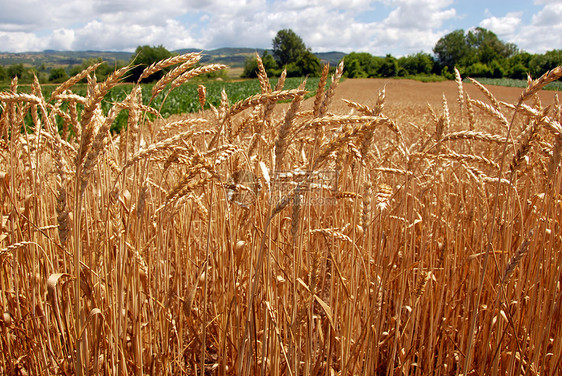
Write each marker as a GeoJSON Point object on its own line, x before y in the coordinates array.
{"type": "Point", "coordinates": [231, 56]}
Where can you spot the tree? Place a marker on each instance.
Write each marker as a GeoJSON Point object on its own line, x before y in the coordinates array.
{"type": "Point", "coordinates": [251, 66]}
{"type": "Point", "coordinates": [144, 56]}
{"type": "Point", "coordinates": [420, 63]}
{"type": "Point", "coordinates": [288, 47]}
{"type": "Point", "coordinates": [362, 64]}
{"type": "Point", "coordinates": [389, 67]}
{"type": "Point", "coordinates": [488, 47]}
{"type": "Point", "coordinates": [353, 69]}
{"type": "Point", "coordinates": [58, 75]}
{"type": "Point", "coordinates": [16, 70]}
{"type": "Point", "coordinates": [451, 49]}
{"type": "Point", "coordinates": [306, 65]}
{"type": "Point", "coordinates": [518, 65]}
{"type": "Point", "coordinates": [3, 73]}
{"type": "Point", "coordinates": [270, 65]}
{"type": "Point", "coordinates": [540, 64]}
{"type": "Point", "coordinates": [477, 48]}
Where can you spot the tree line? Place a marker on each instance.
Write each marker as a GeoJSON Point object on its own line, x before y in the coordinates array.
{"type": "Point", "coordinates": [476, 53]}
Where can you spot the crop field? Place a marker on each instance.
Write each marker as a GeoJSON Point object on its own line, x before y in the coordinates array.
{"type": "Point", "coordinates": [410, 229]}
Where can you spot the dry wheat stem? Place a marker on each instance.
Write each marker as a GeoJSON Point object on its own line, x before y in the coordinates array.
{"type": "Point", "coordinates": [183, 78]}
{"type": "Point", "coordinates": [472, 135]}
{"type": "Point", "coordinates": [541, 82]}
{"type": "Point", "coordinates": [73, 80]}
{"type": "Point", "coordinates": [320, 90]}
{"type": "Point", "coordinates": [487, 93]}
{"type": "Point", "coordinates": [264, 98]}
{"type": "Point", "coordinates": [192, 58]}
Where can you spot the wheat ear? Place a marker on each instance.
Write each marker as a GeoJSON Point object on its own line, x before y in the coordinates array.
{"type": "Point", "coordinates": [541, 82]}
{"type": "Point", "coordinates": [320, 90]}
{"type": "Point", "coordinates": [192, 58]}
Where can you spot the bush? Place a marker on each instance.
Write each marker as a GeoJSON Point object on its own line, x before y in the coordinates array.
{"type": "Point", "coordinates": [58, 75]}
{"type": "Point", "coordinates": [478, 70]}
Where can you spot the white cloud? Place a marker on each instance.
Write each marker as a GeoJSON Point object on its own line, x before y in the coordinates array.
{"type": "Point", "coordinates": [398, 27]}
{"type": "Point", "coordinates": [420, 15]}
{"type": "Point", "coordinates": [19, 42]}
{"type": "Point", "coordinates": [503, 26]}
{"type": "Point", "coordinates": [543, 33]}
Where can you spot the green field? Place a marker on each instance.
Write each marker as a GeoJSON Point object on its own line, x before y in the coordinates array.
{"type": "Point", "coordinates": [510, 82]}
{"type": "Point", "coordinates": [183, 99]}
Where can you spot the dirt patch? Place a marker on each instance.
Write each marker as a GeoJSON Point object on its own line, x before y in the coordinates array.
{"type": "Point", "coordinates": [407, 100]}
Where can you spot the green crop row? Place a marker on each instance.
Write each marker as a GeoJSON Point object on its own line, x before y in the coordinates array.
{"type": "Point", "coordinates": [181, 100]}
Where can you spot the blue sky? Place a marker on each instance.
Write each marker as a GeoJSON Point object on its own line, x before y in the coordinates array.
{"type": "Point", "coordinates": [398, 27]}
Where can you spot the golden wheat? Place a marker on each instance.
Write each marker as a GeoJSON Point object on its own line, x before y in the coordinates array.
{"type": "Point", "coordinates": [258, 238]}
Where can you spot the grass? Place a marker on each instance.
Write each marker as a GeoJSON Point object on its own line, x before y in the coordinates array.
{"type": "Point", "coordinates": [510, 82]}
{"type": "Point", "coordinates": [256, 240]}
{"type": "Point", "coordinates": [426, 78]}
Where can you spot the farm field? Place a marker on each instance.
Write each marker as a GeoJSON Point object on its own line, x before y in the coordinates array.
{"type": "Point", "coordinates": [280, 235]}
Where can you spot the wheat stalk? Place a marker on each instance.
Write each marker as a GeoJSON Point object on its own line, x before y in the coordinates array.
{"type": "Point", "coordinates": [541, 82]}
{"type": "Point", "coordinates": [189, 58]}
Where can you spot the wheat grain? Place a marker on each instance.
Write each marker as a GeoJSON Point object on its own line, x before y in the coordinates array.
{"type": "Point", "coordinates": [189, 58]}
{"type": "Point", "coordinates": [541, 82]}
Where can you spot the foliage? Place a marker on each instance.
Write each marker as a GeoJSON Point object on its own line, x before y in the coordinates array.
{"type": "Point", "coordinates": [16, 70]}
{"type": "Point", "coordinates": [476, 46]}
{"type": "Point", "coordinates": [540, 64]}
{"type": "Point", "coordinates": [250, 68]}
{"type": "Point", "coordinates": [452, 50]}
{"type": "Point", "coordinates": [58, 75]}
{"type": "Point", "coordinates": [269, 63]}
{"type": "Point", "coordinates": [306, 65]}
{"type": "Point", "coordinates": [389, 67]}
{"type": "Point", "coordinates": [288, 47]}
{"type": "Point", "coordinates": [145, 56]}
{"type": "Point", "coordinates": [487, 47]}
{"type": "Point", "coordinates": [420, 63]}
{"type": "Point", "coordinates": [517, 66]}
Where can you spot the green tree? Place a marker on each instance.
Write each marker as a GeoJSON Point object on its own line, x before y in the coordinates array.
{"type": "Point", "coordinates": [251, 66]}
{"type": "Point", "coordinates": [389, 67]}
{"type": "Point", "coordinates": [478, 46]}
{"type": "Point", "coordinates": [518, 65]}
{"type": "Point", "coordinates": [353, 69]}
{"type": "Point", "coordinates": [420, 63]}
{"type": "Point", "coordinates": [58, 75]}
{"type": "Point", "coordinates": [306, 65]}
{"type": "Point", "coordinates": [362, 64]}
{"type": "Point", "coordinates": [540, 64]}
{"type": "Point", "coordinates": [16, 70]}
{"type": "Point", "coordinates": [144, 56]}
{"type": "Point", "coordinates": [488, 47]}
{"type": "Point", "coordinates": [3, 73]}
{"type": "Point", "coordinates": [270, 65]}
{"type": "Point", "coordinates": [288, 47]}
{"type": "Point", "coordinates": [451, 49]}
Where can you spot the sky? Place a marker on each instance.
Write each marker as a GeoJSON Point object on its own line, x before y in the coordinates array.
{"type": "Point", "coordinates": [397, 27]}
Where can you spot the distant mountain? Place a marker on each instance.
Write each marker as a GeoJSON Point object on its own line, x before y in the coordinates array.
{"type": "Point", "coordinates": [231, 56]}
{"type": "Point", "coordinates": [57, 58]}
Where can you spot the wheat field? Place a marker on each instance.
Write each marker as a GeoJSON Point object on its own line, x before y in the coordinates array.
{"type": "Point", "coordinates": [266, 238]}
